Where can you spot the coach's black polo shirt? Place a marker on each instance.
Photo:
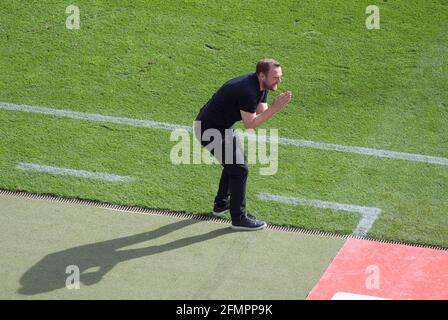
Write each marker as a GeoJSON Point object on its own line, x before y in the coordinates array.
{"type": "Point", "coordinates": [223, 109]}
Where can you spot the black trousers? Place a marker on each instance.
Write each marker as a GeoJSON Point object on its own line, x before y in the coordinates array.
{"type": "Point", "coordinates": [230, 154]}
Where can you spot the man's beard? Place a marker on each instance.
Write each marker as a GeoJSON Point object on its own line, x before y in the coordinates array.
{"type": "Point", "coordinates": [271, 87]}
{"type": "Point", "coordinates": [266, 86]}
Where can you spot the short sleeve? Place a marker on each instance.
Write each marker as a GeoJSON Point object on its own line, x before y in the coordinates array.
{"type": "Point", "coordinates": [248, 103]}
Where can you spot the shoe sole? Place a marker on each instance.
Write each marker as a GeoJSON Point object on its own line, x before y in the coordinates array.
{"type": "Point", "coordinates": [249, 228]}
{"type": "Point", "coordinates": [218, 214]}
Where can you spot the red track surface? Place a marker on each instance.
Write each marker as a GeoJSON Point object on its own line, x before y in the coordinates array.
{"type": "Point", "coordinates": [386, 271]}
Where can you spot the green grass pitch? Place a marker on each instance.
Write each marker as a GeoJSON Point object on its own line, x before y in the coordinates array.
{"type": "Point", "coordinates": [162, 60]}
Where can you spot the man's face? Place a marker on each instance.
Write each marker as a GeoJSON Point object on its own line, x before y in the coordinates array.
{"type": "Point", "coordinates": [273, 79]}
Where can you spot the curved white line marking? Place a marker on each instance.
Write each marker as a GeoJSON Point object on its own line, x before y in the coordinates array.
{"type": "Point", "coordinates": [369, 214]}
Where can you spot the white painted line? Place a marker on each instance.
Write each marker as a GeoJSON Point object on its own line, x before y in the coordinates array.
{"type": "Point", "coordinates": [365, 151]}
{"type": "Point", "coordinates": [172, 126]}
{"type": "Point", "coordinates": [73, 172]}
{"type": "Point", "coordinates": [369, 214]}
{"type": "Point", "coordinates": [354, 296]}
{"type": "Point", "coordinates": [92, 117]}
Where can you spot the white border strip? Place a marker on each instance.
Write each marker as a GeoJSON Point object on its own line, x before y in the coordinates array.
{"type": "Point", "coordinates": [354, 296]}
{"type": "Point", "coordinates": [369, 214]}
{"type": "Point", "coordinates": [211, 218]}
{"type": "Point", "coordinates": [173, 126]}
{"type": "Point", "coordinates": [73, 172]}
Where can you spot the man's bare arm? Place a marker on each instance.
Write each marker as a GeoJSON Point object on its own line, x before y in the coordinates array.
{"type": "Point", "coordinates": [262, 107]}
{"type": "Point", "coordinates": [254, 120]}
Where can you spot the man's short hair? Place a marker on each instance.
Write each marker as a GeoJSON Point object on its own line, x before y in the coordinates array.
{"type": "Point", "coordinates": [265, 65]}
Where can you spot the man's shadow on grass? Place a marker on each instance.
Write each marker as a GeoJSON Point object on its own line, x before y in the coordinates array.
{"type": "Point", "coordinates": [50, 273]}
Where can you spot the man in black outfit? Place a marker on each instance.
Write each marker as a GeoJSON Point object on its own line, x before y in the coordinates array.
{"type": "Point", "coordinates": [241, 98]}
